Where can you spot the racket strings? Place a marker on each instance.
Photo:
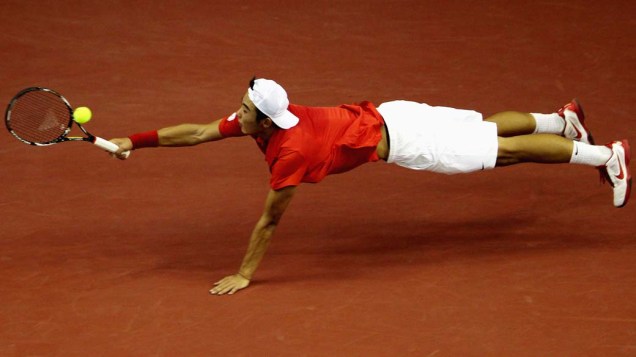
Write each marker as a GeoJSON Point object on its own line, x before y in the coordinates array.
{"type": "Point", "coordinates": [39, 117]}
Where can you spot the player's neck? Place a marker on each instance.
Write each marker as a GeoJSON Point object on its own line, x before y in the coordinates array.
{"type": "Point", "coordinates": [266, 133]}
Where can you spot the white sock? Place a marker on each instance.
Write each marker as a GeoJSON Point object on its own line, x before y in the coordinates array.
{"type": "Point", "coordinates": [593, 155]}
{"type": "Point", "coordinates": [548, 123]}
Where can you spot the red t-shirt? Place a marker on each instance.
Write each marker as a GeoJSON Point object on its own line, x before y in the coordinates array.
{"type": "Point", "coordinates": [326, 140]}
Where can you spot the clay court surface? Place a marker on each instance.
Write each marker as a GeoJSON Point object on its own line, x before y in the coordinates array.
{"type": "Point", "coordinates": [102, 257]}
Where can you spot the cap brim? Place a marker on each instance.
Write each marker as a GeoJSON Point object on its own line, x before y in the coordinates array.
{"type": "Point", "coordinates": [286, 120]}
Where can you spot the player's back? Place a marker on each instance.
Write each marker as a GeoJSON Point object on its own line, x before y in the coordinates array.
{"type": "Point", "coordinates": [337, 139]}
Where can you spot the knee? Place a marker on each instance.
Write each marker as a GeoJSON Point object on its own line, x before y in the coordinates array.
{"type": "Point", "coordinates": [507, 152]}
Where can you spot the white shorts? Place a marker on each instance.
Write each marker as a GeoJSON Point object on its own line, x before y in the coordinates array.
{"type": "Point", "coordinates": [439, 139]}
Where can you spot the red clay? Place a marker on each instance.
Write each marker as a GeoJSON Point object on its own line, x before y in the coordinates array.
{"type": "Point", "coordinates": [109, 258]}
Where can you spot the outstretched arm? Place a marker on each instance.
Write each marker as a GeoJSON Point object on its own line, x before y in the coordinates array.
{"type": "Point", "coordinates": [179, 135]}
{"type": "Point", "coordinates": [189, 134]}
{"type": "Point", "coordinates": [275, 205]}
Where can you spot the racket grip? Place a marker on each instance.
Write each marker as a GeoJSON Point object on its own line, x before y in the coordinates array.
{"type": "Point", "coordinates": [108, 146]}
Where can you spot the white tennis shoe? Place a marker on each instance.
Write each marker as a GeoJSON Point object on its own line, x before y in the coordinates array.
{"type": "Point", "coordinates": [616, 172]}
{"type": "Point", "coordinates": [575, 128]}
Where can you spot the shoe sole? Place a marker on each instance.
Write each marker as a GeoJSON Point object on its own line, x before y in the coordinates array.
{"type": "Point", "coordinates": [605, 177]}
{"type": "Point", "coordinates": [628, 174]}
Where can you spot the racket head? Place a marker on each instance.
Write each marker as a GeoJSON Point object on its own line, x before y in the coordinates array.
{"type": "Point", "coordinates": [39, 116]}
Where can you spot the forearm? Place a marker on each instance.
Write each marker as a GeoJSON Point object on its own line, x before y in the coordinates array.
{"type": "Point", "coordinates": [178, 135]}
{"type": "Point", "coordinates": [259, 242]}
{"type": "Point", "coordinates": [182, 135]}
{"type": "Point", "coordinates": [275, 205]}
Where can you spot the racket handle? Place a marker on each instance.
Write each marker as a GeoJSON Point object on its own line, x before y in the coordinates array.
{"type": "Point", "coordinates": [108, 146]}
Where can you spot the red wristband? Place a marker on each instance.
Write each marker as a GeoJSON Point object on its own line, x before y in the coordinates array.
{"type": "Point", "coordinates": [145, 140]}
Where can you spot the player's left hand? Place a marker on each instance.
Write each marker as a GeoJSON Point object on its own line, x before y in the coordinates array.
{"type": "Point", "coordinates": [229, 285]}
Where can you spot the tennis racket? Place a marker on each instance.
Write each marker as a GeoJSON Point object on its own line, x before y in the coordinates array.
{"type": "Point", "coordinates": [41, 117]}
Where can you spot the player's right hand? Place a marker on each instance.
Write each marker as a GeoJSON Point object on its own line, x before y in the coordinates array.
{"type": "Point", "coordinates": [125, 144]}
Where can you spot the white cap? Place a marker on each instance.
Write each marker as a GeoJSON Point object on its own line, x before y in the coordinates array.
{"type": "Point", "coordinates": [271, 99]}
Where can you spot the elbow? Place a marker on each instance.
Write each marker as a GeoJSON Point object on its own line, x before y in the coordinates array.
{"type": "Point", "coordinates": [270, 222]}
{"type": "Point", "coordinates": [198, 137]}
{"type": "Point", "coordinates": [277, 202]}
{"type": "Point", "coordinates": [196, 140]}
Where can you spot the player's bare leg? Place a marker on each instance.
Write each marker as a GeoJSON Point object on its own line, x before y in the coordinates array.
{"type": "Point", "coordinates": [568, 122]}
{"type": "Point", "coordinates": [513, 123]}
{"type": "Point", "coordinates": [612, 159]}
{"type": "Point", "coordinates": [539, 148]}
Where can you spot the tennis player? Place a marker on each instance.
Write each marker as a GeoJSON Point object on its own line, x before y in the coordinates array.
{"type": "Point", "coordinates": [305, 144]}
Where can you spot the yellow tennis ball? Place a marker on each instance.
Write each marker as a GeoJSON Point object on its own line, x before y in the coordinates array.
{"type": "Point", "coordinates": [82, 115]}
